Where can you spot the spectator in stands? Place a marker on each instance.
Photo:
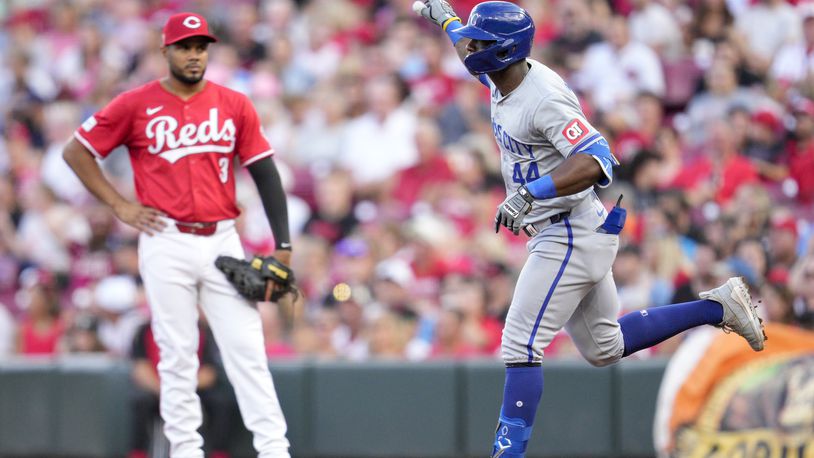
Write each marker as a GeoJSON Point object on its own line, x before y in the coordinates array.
{"type": "Point", "coordinates": [450, 337]}
{"type": "Point", "coordinates": [390, 332]}
{"type": "Point", "coordinates": [653, 24]}
{"type": "Point", "coordinates": [288, 70]}
{"type": "Point", "coordinates": [83, 336]}
{"type": "Point", "coordinates": [116, 298]}
{"type": "Point", "coordinates": [241, 30]}
{"type": "Point", "coordinates": [778, 24]}
{"type": "Point", "coordinates": [317, 141]}
{"type": "Point", "coordinates": [9, 264]}
{"type": "Point", "coordinates": [750, 261]}
{"type": "Point", "coordinates": [425, 180]}
{"type": "Point", "coordinates": [481, 332]}
{"type": "Point", "coordinates": [92, 261]}
{"type": "Point", "coordinates": [466, 113]}
{"type": "Point", "coordinates": [333, 219]}
{"type": "Point", "coordinates": [670, 147]}
{"type": "Point", "coordinates": [777, 302]}
{"type": "Point", "coordinates": [711, 22]}
{"type": "Point", "coordinates": [218, 404]}
{"type": "Point", "coordinates": [706, 272]}
{"type": "Point", "coordinates": [636, 286]}
{"type": "Point", "coordinates": [794, 62]}
{"type": "Point", "coordinates": [383, 138]}
{"type": "Point", "coordinates": [644, 170]}
{"type": "Point", "coordinates": [274, 332]}
{"type": "Point", "coordinates": [801, 284]}
{"type": "Point", "coordinates": [48, 227]}
{"type": "Point", "coordinates": [749, 212]}
{"type": "Point", "coordinates": [801, 151]}
{"type": "Point", "coordinates": [721, 94]}
{"type": "Point", "coordinates": [641, 131]}
{"type": "Point", "coordinates": [326, 323]}
{"type": "Point", "coordinates": [719, 173]}
{"type": "Point", "coordinates": [501, 284]}
{"type": "Point", "coordinates": [576, 34]}
{"type": "Point", "coordinates": [783, 238]}
{"type": "Point", "coordinates": [59, 122]}
{"type": "Point", "coordinates": [353, 262]}
{"type": "Point", "coordinates": [433, 87]}
{"type": "Point", "coordinates": [41, 328]}
{"type": "Point", "coordinates": [6, 332]}
{"type": "Point", "coordinates": [313, 255]}
{"type": "Point", "coordinates": [616, 70]}
{"type": "Point", "coordinates": [349, 337]}
{"type": "Point", "coordinates": [392, 285]}
{"type": "Point", "coordinates": [764, 147]}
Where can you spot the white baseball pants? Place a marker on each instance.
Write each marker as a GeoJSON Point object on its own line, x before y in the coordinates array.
{"type": "Point", "coordinates": [179, 274]}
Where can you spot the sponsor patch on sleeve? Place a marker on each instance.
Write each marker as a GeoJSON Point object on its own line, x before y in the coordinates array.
{"type": "Point", "coordinates": [575, 131]}
{"type": "Point", "coordinates": [89, 124]}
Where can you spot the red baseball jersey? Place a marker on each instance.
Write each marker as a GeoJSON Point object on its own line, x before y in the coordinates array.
{"type": "Point", "coordinates": [182, 151]}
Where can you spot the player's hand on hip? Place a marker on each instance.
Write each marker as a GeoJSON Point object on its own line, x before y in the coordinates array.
{"type": "Point", "coordinates": [145, 219]}
{"type": "Point", "coordinates": [512, 211]}
{"type": "Point", "coordinates": [437, 11]}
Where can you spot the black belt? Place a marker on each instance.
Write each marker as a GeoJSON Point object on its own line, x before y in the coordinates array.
{"type": "Point", "coordinates": [534, 228]}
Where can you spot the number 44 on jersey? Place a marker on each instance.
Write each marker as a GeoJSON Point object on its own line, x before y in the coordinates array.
{"type": "Point", "coordinates": [532, 173]}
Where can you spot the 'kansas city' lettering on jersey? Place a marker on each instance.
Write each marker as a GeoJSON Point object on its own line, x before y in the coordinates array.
{"type": "Point", "coordinates": [509, 142]}
{"type": "Point", "coordinates": [191, 138]}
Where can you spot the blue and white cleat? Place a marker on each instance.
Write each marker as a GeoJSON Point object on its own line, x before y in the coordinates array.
{"type": "Point", "coordinates": [511, 438]}
{"type": "Point", "coordinates": [740, 315]}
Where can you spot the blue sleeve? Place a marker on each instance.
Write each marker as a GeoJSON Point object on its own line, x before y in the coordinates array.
{"type": "Point", "coordinates": [600, 150]}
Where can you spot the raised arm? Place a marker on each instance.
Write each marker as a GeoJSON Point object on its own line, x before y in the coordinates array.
{"type": "Point", "coordinates": [440, 12]}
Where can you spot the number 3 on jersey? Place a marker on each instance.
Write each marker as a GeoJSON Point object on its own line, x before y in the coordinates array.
{"type": "Point", "coordinates": [223, 163]}
{"type": "Point", "coordinates": [531, 174]}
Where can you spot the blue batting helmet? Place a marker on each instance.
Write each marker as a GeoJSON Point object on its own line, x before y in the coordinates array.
{"type": "Point", "coordinates": [508, 26]}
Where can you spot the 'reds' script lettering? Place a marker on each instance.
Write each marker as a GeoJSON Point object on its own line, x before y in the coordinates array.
{"type": "Point", "coordinates": [172, 143]}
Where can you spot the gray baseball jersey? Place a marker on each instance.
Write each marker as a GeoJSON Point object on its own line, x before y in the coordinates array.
{"type": "Point", "coordinates": [537, 126]}
{"type": "Point", "coordinates": [566, 281]}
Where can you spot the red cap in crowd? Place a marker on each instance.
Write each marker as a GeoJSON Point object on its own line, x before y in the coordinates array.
{"type": "Point", "coordinates": [787, 223]}
{"type": "Point", "coordinates": [184, 25]}
{"type": "Point", "coordinates": [767, 118]}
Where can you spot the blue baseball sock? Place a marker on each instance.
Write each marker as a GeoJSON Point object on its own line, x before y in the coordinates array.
{"type": "Point", "coordinates": [648, 327]}
{"type": "Point", "coordinates": [521, 396]}
{"type": "Point", "coordinates": [522, 392]}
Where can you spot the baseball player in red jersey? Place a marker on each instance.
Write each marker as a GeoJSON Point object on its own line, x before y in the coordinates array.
{"type": "Point", "coordinates": [184, 134]}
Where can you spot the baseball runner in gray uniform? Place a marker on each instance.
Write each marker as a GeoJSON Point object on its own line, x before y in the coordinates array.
{"type": "Point", "coordinates": [551, 159]}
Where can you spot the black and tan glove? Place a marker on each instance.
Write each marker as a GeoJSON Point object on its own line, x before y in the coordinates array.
{"type": "Point", "coordinates": [261, 279]}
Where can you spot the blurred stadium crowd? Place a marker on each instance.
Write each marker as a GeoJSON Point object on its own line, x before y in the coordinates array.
{"type": "Point", "coordinates": [391, 166]}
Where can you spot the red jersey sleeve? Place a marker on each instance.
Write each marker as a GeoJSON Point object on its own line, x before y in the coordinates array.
{"type": "Point", "coordinates": [106, 129]}
{"type": "Point", "coordinates": [252, 144]}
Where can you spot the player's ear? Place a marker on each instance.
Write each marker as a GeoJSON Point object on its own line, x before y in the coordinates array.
{"type": "Point", "coordinates": [164, 50]}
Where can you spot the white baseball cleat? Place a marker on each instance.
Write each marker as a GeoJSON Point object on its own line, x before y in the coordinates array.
{"type": "Point", "coordinates": [740, 315]}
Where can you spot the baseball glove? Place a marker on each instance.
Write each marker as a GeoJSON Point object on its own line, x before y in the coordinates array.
{"type": "Point", "coordinates": [261, 279]}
